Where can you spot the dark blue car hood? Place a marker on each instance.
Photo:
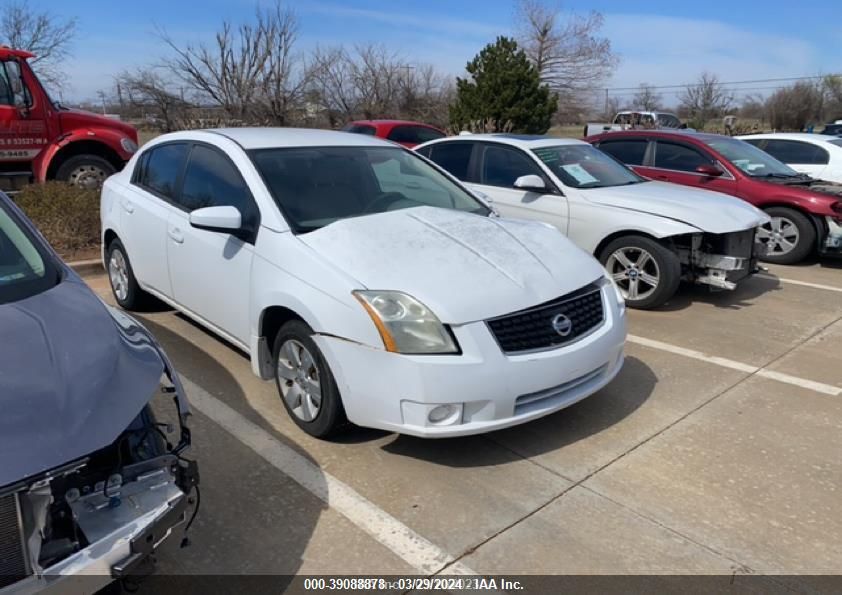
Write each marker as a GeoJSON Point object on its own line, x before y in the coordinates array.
{"type": "Point", "coordinates": [72, 378]}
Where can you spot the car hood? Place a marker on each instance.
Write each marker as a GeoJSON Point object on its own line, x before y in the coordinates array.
{"type": "Point", "coordinates": [709, 211]}
{"type": "Point", "coordinates": [464, 267]}
{"type": "Point", "coordinates": [75, 118]}
{"type": "Point", "coordinates": [71, 378]}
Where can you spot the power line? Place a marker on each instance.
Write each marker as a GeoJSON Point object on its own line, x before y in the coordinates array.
{"type": "Point", "coordinates": [682, 86]}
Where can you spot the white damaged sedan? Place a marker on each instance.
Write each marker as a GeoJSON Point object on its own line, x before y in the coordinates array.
{"type": "Point", "coordinates": [650, 235]}
{"type": "Point", "coordinates": [372, 287]}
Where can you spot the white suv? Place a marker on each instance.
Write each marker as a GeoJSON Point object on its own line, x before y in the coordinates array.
{"type": "Point", "coordinates": [372, 286]}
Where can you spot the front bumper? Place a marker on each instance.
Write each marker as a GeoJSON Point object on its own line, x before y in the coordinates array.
{"type": "Point", "coordinates": [395, 392]}
{"type": "Point", "coordinates": [151, 510]}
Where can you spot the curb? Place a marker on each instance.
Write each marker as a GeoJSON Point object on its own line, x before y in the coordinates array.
{"type": "Point", "coordinates": [87, 267]}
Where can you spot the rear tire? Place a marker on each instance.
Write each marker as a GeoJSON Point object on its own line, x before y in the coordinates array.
{"type": "Point", "coordinates": [787, 227]}
{"type": "Point", "coordinates": [85, 171]}
{"type": "Point", "coordinates": [305, 383]}
{"type": "Point", "coordinates": [647, 273]}
{"type": "Point", "coordinates": [124, 286]}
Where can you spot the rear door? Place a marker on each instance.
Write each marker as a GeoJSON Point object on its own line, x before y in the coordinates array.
{"type": "Point", "coordinates": [211, 270]}
{"type": "Point", "coordinates": [498, 166]}
{"type": "Point", "coordinates": [145, 206]}
{"type": "Point", "coordinates": [674, 161]}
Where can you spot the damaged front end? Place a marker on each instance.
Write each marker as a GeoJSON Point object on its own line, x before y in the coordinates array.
{"type": "Point", "coordinates": [101, 517]}
{"type": "Point", "coordinates": [719, 260]}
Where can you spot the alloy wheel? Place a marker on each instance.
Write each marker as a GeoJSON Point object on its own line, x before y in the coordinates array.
{"type": "Point", "coordinates": [780, 236]}
{"type": "Point", "coordinates": [635, 272]}
{"type": "Point", "coordinates": [298, 378]}
{"type": "Point", "coordinates": [118, 274]}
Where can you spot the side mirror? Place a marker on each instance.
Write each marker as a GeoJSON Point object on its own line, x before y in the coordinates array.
{"type": "Point", "coordinates": [712, 171]}
{"type": "Point", "coordinates": [224, 219]}
{"type": "Point", "coordinates": [531, 183]}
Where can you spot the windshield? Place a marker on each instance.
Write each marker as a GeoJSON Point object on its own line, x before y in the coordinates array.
{"type": "Point", "coordinates": [751, 160]}
{"type": "Point", "coordinates": [25, 267]}
{"type": "Point", "coordinates": [583, 166]}
{"type": "Point", "coordinates": [315, 186]}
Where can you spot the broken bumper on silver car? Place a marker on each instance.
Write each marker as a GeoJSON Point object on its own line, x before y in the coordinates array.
{"type": "Point", "coordinates": [722, 260]}
{"type": "Point", "coordinates": [121, 537]}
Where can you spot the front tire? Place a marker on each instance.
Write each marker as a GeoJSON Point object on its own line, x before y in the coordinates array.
{"type": "Point", "coordinates": [647, 273]}
{"type": "Point", "coordinates": [305, 383]}
{"type": "Point", "coordinates": [85, 171]}
{"type": "Point", "coordinates": [790, 236]}
{"type": "Point", "coordinates": [124, 286]}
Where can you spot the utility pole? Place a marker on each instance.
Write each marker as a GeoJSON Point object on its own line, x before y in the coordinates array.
{"type": "Point", "coordinates": [606, 102]}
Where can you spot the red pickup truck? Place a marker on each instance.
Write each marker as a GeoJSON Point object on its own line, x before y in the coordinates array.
{"type": "Point", "coordinates": [42, 140]}
{"type": "Point", "coordinates": [806, 213]}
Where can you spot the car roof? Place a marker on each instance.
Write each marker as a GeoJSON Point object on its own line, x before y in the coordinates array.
{"type": "Point", "coordinates": [524, 141]}
{"type": "Point", "coordinates": [802, 136]}
{"type": "Point", "coordinates": [660, 132]}
{"type": "Point", "coordinates": [270, 138]}
{"type": "Point", "coordinates": [391, 123]}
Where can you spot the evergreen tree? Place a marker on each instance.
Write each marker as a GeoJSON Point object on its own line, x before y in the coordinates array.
{"type": "Point", "coordinates": [503, 93]}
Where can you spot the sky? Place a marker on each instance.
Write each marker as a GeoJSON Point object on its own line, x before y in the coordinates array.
{"type": "Point", "coordinates": [661, 42]}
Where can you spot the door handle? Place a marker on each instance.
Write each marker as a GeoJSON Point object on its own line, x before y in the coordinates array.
{"type": "Point", "coordinates": [128, 206]}
{"type": "Point", "coordinates": [176, 235]}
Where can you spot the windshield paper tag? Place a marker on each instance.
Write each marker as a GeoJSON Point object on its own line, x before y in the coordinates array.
{"type": "Point", "coordinates": [580, 173]}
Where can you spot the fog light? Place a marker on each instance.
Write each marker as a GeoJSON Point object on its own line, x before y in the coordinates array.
{"type": "Point", "coordinates": [441, 413]}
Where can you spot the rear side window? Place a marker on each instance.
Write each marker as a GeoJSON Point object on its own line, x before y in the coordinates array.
{"type": "Point", "coordinates": [413, 134]}
{"type": "Point", "coordinates": [678, 157]}
{"type": "Point", "coordinates": [359, 129]}
{"type": "Point", "coordinates": [791, 151]}
{"type": "Point", "coordinates": [630, 152]}
{"type": "Point", "coordinates": [161, 168]}
{"type": "Point", "coordinates": [453, 157]}
{"type": "Point", "coordinates": [503, 165]}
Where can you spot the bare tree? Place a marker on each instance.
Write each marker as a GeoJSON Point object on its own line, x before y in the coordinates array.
{"type": "Point", "coordinates": [566, 48]}
{"type": "Point", "coordinates": [250, 70]}
{"type": "Point", "coordinates": [647, 98]}
{"type": "Point", "coordinates": [705, 100]}
{"type": "Point", "coordinates": [149, 91]}
{"type": "Point", "coordinates": [372, 82]}
{"type": "Point", "coordinates": [45, 35]}
{"type": "Point", "coordinates": [796, 106]}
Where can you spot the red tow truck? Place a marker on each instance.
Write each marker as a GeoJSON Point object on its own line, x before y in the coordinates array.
{"type": "Point", "coordinates": [42, 140]}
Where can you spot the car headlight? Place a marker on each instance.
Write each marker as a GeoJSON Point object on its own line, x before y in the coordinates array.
{"type": "Point", "coordinates": [129, 146]}
{"type": "Point", "coordinates": [621, 301]}
{"type": "Point", "coordinates": [405, 324]}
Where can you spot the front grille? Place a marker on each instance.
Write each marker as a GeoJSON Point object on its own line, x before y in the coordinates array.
{"type": "Point", "coordinates": [532, 329]}
{"type": "Point", "coordinates": [12, 558]}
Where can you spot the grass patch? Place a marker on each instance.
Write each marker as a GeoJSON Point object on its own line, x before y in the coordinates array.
{"type": "Point", "coordinates": [68, 216]}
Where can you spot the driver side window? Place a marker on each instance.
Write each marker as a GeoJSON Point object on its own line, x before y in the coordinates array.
{"type": "Point", "coordinates": [501, 166]}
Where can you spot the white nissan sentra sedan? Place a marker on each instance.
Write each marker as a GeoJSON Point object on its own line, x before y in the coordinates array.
{"type": "Point", "coordinates": [370, 285]}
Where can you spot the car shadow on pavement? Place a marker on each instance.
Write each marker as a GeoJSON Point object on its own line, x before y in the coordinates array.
{"type": "Point", "coordinates": [253, 518]}
{"type": "Point", "coordinates": [824, 262]}
{"type": "Point", "coordinates": [743, 296]}
{"type": "Point", "coordinates": [591, 416]}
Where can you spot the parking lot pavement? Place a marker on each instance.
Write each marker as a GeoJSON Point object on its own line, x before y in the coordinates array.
{"type": "Point", "coordinates": [685, 463]}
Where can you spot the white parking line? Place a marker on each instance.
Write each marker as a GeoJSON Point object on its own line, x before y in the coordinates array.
{"type": "Point", "coordinates": [820, 387]}
{"type": "Point", "coordinates": [422, 555]}
{"type": "Point", "coordinates": [802, 283]}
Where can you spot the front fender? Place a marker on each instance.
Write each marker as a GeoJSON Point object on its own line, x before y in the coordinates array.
{"type": "Point", "coordinates": [111, 139]}
{"type": "Point", "coordinates": [591, 223]}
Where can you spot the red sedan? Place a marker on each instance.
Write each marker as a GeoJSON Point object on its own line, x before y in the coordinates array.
{"type": "Point", "coordinates": [403, 132]}
{"type": "Point", "coordinates": [806, 214]}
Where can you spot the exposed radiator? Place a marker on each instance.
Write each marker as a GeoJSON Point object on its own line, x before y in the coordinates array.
{"type": "Point", "coordinates": [13, 565]}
